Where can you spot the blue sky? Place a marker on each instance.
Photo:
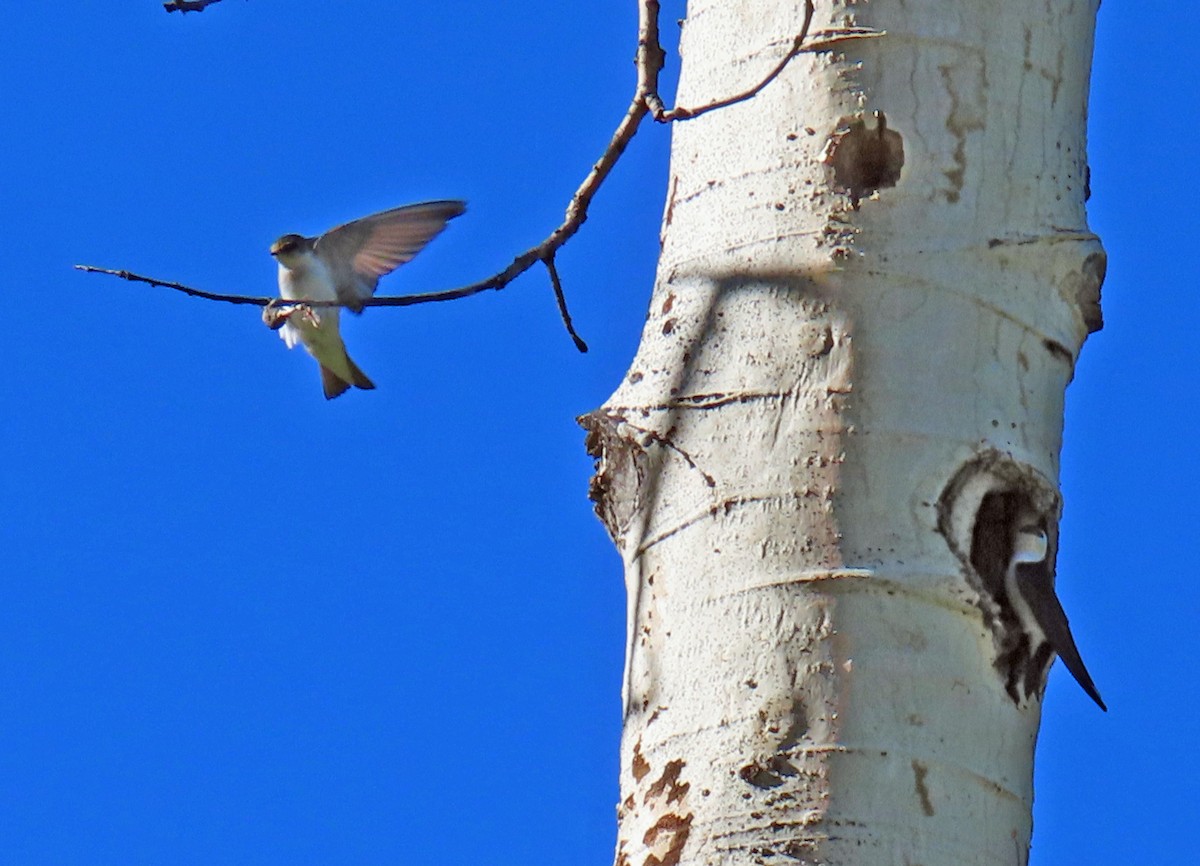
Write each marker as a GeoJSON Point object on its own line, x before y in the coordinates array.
{"type": "Point", "coordinates": [239, 624]}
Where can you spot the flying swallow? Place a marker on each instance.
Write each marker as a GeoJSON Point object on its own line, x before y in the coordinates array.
{"type": "Point", "coordinates": [345, 265]}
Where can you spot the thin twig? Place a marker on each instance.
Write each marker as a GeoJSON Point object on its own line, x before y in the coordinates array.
{"type": "Point", "coordinates": [562, 303]}
{"type": "Point", "coordinates": [662, 115]}
{"type": "Point", "coordinates": [179, 287]}
{"type": "Point", "coordinates": [820, 41]}
{"type": "Point", "coordinates": [186, 6]}
{"type": "Point", "coordinates": [259, 301]}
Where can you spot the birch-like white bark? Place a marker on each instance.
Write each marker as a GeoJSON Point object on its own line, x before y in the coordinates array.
{"type": "Point", "coordinates": [812, 672]}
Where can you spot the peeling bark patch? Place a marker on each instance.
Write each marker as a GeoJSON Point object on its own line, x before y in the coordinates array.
{"type": "Point", "coordinates": [667, 835]}
{"type": "Point", "coordinates": [620, 470]}
{"type": "Point", "coordinates": [639, 766]}
{"type": "Point", "coordinates": [669, 782]}
{"type": "Point", "coordinates": [1087, 290]}
{"type": "Point", "coordinates": [864, 160]}
{"type": "Point", "coordinates": [671, 830]}
{"type": "Point", "coordinates": [920, 771]}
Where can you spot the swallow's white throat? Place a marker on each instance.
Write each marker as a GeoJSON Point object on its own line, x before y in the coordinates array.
{"type": "Point", "coordinates": [1031, 545]}
{"type": "Point", "coordinates": [303, 274]}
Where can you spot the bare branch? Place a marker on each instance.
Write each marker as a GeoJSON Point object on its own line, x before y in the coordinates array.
{"type": "Point", "coordinates": [575, 217]}
{"type": "Point", "coordinates": [496, 282]}
{"type": "Point", "coordinates": [186, 6]}
{"type": "Point", "coordinates": [649, 63]}
{"type": "Point", "coordinates": [562, 304]}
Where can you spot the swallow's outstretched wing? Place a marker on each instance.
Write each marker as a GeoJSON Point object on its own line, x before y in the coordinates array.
{"type": "Point", "coordinates": [360, 252]}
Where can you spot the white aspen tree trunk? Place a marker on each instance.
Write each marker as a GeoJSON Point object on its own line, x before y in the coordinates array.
{"type": "Point", "coordinates": [875, 279]}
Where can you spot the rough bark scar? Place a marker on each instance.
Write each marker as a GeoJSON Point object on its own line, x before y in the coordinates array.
{"type": "Point", "coordinates": [669, 782]}
{"type": "Point", "coordinates": [920, 771]}
{"type": "Point", "coordinates": [675, 829]}
{"type": "Point", "coordinates": [1087, 290]}
{"type": "Point", "coordinates": [639, 766]}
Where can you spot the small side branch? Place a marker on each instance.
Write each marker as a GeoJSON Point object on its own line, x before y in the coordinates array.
{"type": "Point", "coordinates": [562, 304]}
{"type": "Point", "coordinates": [802, 43]}
{"type": "Point", "coordinates": [663, 115]}
{"type": "Point", "coordinates": [186, 6]}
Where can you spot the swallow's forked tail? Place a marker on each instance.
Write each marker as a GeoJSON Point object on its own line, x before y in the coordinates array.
{"type": "Point", "coordinates": [335, 386]}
